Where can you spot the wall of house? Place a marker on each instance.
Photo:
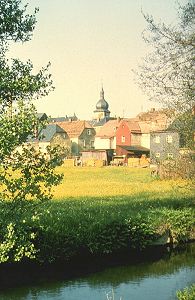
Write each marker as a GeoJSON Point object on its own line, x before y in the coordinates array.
{"type": "Point", "coordinates": [100, 155]}
{"type": "Point", "coordinates": [145, 140]}
{"type": "Point", "coordinates": [135, 139]}
{"type": "Point", "coordinates": [86, 141]}
{"type": "Point", "coordinates": [123, 131]}
{"type": "Point", "coordinates": [164, 145]}
{"type": "Point", "coordinates": [113, 143]}
{"type": "Point", "coordinates": [102, 143]}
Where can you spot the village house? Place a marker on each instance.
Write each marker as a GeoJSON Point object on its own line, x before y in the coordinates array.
{"type": "Point", "coordinates": [52, 135]}
{"type": "Point", "coordinates": [151, 121]}
{"type": "Point", "coordinates": [128, 139]}
{"type": "Point", "coordinates": [81, 134]}
{"type": "Point", "coordinates": [106, 136]}
{"type": "Point", "coordinates": [164, 145]}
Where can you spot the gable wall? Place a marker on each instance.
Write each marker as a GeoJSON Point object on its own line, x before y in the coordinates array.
{"type": "Point", "coordinates": [123, 130]}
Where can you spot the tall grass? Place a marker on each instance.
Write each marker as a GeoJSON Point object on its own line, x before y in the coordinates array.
{"type": "Point", "coordinates": [100, 211]}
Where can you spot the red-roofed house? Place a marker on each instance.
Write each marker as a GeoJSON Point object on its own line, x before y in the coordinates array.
{"type": "Point", "coordinates": [106, 136]}
{"type": "Point", "coordinates": [128, 139]}
{"type": "Point", "coordinates": [81, 134]}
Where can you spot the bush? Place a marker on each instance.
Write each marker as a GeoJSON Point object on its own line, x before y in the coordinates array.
{"type": "Point", "coordinates": [187, 293]}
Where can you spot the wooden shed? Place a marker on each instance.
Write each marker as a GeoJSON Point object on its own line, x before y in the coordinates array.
{"type": "Point", "coordinates": [101, 155]}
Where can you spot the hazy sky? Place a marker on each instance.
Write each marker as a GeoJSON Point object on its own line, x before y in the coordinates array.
{"type": "Point", "coordinates": [89, 42]}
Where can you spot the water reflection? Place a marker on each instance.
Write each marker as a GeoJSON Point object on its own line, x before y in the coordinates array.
{"type": "Point", "coordinates": [157, 280]}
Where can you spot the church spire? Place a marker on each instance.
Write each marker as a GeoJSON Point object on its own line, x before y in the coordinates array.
{"type": "Point", "coordinates": [102, 93]}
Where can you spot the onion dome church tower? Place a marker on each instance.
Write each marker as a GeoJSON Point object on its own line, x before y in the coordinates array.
{"type": "Point", "coordinates": [102, 111]}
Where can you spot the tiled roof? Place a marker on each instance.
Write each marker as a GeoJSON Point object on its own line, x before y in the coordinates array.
{"type": "Point", "coordinates": [109, 129]}
{"type": "Point", "coordinates": [101, 122]}
{"type": "Point", "coordinates": [152, 115]}
{"type": "Point", "coordinates": [74, 128]}
{"type": "Point", "coordinates": [154, 120]}
{"type": "Point", "coordinates": [57, 119]}
{"type": "Point", "coordinates": [46, 134]}
{"type": "Point", "coordinates": [66, 118]}
{"type": "Point", "coordinates": [42, 116]}
{"type": "Point", "coordinates": [133, 125]}
{"type": "Point", "coordinates": [149, 126]}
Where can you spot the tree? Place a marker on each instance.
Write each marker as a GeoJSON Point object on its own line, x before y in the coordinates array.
{"type": "Point", "coordinates": [16, 23]}
{"type": "Point", "coordinates": [28, 174]}
{"type": "Point", "coordinates": [167, 73]}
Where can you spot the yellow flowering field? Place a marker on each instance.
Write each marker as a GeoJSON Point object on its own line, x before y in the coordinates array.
{"type": "Point", "coordinates": [117, 181]}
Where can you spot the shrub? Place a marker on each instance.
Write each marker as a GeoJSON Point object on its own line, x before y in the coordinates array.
{"type": "Point", "coordinates": [187, 293]}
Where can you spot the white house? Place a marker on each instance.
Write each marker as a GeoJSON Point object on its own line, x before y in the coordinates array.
{"type": "Point", "coordinates": [106, 137]}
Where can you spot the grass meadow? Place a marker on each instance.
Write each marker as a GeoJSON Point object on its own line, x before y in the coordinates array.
{"type": "Point", "coordinates": [118, 181]}
{"type": "Point", "coordinates": [101, 211]}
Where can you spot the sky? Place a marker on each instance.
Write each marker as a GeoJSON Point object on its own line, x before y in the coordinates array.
{"type": "Point", "coordinates": [90, 43]}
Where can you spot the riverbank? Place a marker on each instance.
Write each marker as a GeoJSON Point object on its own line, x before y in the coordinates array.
{"type": "Point", "coordinates": [25, 273]}
{"type": "Point", "coordinates": [154, 212]}
{"type": "Point", "coordinates": [127, 276]}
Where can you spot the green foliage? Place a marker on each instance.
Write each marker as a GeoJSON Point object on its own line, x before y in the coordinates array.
{"type": "Point", "coordinates": [16, 23]}
{"type": "Point", "coordinates": [187, 293]}
{"type": "Point", "coordinates": [180, 222]}
{"type": "Point", "coordinates": [167, 73]}
{"type": "Point", "coordinates": [15, 129]}
{"type": "Point", "coordinates": [17, 82]}
{"type": "Point", "coordinates": [17, 245]}
{"type": "Point", "coordinates": [184, 124]}
{"type": "Point", "coordinates": [72, 228]}
{"type": "Point", "coordinates": [29, 175]}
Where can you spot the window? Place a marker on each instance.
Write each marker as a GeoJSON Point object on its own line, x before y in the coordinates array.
{"type": "Point", "coordinates": [123, 139]}
{"type": "Point", "coordinates": [157, 139]}
{"type": "Point", "coordinates": [92, 144]}
{"type": "Point", "coordinates": [170, 155]}
{"type": "Point", "coordinates": [169, 139]}
{"type": "Point", "coordinates": [157, 155]}
{"type": "Point", "coordinates": [89, 131]}
{"type": "Point", "coordinates": [84, 143]}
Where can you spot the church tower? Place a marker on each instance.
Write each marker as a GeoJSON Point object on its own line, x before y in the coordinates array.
{"type": "Point", "coordinates": [102, 111]}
